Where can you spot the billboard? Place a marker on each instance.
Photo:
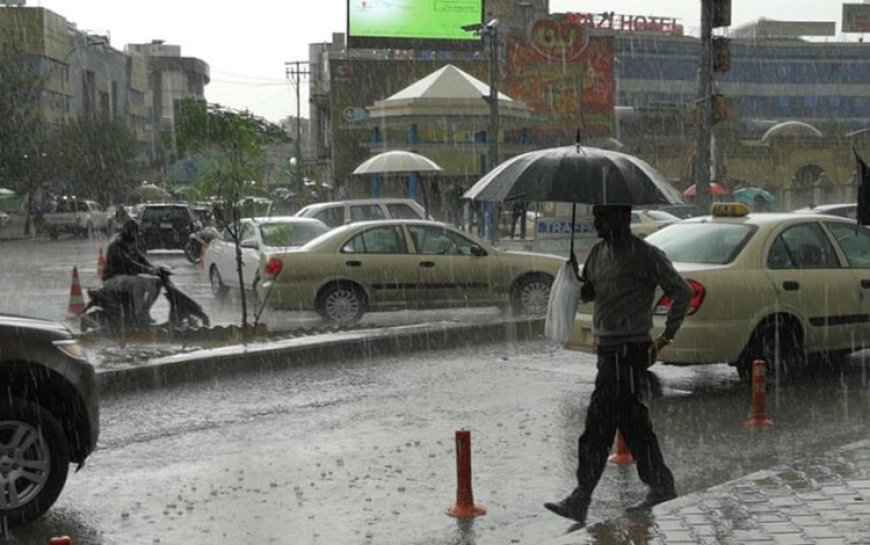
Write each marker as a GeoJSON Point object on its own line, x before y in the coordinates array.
{"type": "Point", "coordinates": [856, 17]}
{"type": "Point", "coordinates": [412, 23]}
{"type": "Point", "coordinates": [567, 77]}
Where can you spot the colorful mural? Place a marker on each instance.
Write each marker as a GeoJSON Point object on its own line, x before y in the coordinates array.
{"type": "Point", "coordinates": [566, 77]}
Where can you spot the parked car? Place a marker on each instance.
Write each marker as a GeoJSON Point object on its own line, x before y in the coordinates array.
{"type": "Point", "coordinates": [258, 236]}
{"type": "Point", "coordinates": [338, 213]}
{"type": "Point", "coordinates": [49, 414]}
{"type": "Point", "coordinates": [846, 210]}
{"type": "Point", "coordinates": [771, 286]}
{"type": "Point", "coordinates": [81, 217]}
{"type": "Point", "coordinates": [390, 264]}
{"type": "Point", "coordinates": [646, 222]}
{"type": "Point", "coordinates": [166, 225]}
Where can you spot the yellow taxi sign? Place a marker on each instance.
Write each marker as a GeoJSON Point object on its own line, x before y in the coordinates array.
{"type": "Point", "coordinates": [729, 209]}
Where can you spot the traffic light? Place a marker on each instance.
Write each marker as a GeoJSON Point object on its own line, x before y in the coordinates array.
{"type": "Point", "coordinates": [721, 54]}
{"type": "Point", "coordinates": [721, 13]}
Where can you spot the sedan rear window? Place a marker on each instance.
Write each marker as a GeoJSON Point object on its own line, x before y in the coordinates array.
{"type": "Point", "coordinates": [707, 243]}
{"type": "Point", "coordinates": [290, 234]}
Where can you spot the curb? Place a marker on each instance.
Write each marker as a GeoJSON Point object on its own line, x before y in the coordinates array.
{"type": "Point", "coordinates": [208, 364]}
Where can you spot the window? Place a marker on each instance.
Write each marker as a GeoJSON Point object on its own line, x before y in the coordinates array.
{"type": "Point", "coordinates": [366, 212]}
{"type": "Point", "coordinates": [402, 211]}
{"type": "Point", "coordinates": [378, 240]}
{"type": "Point", "coordinates": [855, 243]}
{"type": "Point", "coordinates": [803, 246]}
{"type": "Point", "coordinates": [710, 243]}
{"type": "Point", "coordinates": [333, 216]}
{"type": "Point", "coordinates": [430, 240]}
{"type": "Point", "coordinates": [290, 234]}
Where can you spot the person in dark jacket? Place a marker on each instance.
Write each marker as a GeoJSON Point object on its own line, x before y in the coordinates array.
{"type": "Point", "coordinates": [621, 275]}
{"type": "Point", "coordinates": [129, 272]}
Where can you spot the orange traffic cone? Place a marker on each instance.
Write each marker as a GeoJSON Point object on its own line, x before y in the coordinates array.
{"type": "Point", "coordinates": [76, 300]}
{"type": "Point", "coordinates": [623, 455]}
{"type": "Point", "coordinates": [101, 265]}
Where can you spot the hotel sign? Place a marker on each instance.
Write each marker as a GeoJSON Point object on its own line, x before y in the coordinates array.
{"type": "Point", "coordinates": [630, 23]}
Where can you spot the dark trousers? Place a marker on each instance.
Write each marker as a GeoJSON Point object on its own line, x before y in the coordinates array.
{"type": "Point", "coordinates": [618, 404]}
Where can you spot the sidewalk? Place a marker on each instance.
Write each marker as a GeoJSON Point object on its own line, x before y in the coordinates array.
{"type": "Point", "coordinates": [809, 502]}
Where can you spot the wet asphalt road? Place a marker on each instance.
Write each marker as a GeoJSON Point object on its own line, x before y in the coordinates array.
{"type": "Point", "coordinates": [362, 451]}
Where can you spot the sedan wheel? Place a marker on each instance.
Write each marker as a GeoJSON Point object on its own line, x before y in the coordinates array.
{"type": "Point", "coordinates": [341, 304]}
{"type": "Point", "coordinates": [531, 295]}
{"type": "Point", "coordinates": [218, 288]}
{"type": "Point", "coordinates": [34, 461]}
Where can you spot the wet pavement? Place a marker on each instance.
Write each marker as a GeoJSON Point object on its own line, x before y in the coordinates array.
{"type": "Point", "coordinates": [823, 500]}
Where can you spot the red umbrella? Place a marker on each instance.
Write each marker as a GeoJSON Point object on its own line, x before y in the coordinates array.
{"type": "Point", "coordinates": [715, 190]}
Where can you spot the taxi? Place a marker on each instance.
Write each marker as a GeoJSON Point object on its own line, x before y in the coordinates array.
{"type": "Point", "coordinates": [773, 286]}
{"type": "Point", "coordinates": [400, 264]}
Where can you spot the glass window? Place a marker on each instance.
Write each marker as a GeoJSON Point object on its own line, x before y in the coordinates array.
{"type": "Point", "coordinates": [378, 240]}
{"type": "Point", "coordinates": [430, 240]}
{"type": "Point", "coordinates": [805, 246]}
{"type": "Point", "coordinates": [402, 211]}
{"type": "Point", "coordinates": [247, 231]}
{"type": "Point", "coordinates": [331, 216]}
{"type": "Point", "coordinates": [366, 212]}
{"type": "Point", "coordinates": [854, 240]}
{"type": "Point", "coordinates": [290, 234]}
{"type": "Point", "coordinates": [710, 243]}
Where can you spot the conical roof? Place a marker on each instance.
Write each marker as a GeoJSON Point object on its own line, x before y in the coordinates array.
{"type": "Point", "coordinates": [447, 91]}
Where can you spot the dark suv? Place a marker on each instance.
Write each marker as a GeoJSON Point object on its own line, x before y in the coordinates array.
{"type": "Point", "coordinates": [166, 226]}
{"type": "Point", "coordinates": [49, 414]}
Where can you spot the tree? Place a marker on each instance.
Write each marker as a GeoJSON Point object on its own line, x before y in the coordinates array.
{"type": "Point", "coordinates": [235, 143]}
{"type": "Point", "coordinates": [99, 157]}
{"type": "Point", "coordinates": [27, 156]}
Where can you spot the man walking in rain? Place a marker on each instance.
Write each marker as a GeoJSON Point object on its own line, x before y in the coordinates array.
{"type": "Point", "coordinates": [621, 275]}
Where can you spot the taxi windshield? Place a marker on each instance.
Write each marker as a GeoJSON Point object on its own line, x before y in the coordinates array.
{"type": "Point", "coordinates": [290, 234]}
{"type": "Point", "coordinates": [707, 243]}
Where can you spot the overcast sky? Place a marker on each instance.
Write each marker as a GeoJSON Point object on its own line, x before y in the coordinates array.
{"type": "Point", "coordinates": [247, 44]}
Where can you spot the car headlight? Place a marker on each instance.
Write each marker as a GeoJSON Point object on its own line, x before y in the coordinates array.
{"type": "Point", "coordinates": [71, 348]}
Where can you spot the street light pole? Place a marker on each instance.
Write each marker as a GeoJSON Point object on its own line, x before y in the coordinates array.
{"type": "Point", "coordinates": [98, 41]}
{"type": "Point", "coordinates": [704, 109]}
{"type": "Point", "coordinates": [296, 72]}
{"type": "Point", "coordinates": [489, 32]}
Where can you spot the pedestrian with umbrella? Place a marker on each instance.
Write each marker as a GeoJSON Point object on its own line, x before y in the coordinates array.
{"type": "Point", "coordinates": [620, 275]}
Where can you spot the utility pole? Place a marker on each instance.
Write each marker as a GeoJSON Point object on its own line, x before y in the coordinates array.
{"type": "Point", "coordinates": [704, 105]}
{"type": "Point", "coordinates": [294, 73]}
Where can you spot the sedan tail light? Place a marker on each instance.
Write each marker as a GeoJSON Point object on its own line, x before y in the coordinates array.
{"type": "Point", "coordinates": [273, 267]}
{"type": "Point", "coordinates": [698, 293]}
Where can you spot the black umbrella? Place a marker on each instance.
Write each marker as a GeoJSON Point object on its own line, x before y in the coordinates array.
{"type": "Point", "coordinates": [575, 174]}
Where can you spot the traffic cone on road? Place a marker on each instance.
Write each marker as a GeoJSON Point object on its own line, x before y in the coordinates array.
{"type": "Point", "coordinates": [101, 265]}
{"type": "Point", "coordinates": [623, 455]}
{"type": "Point", "coordinates": [76, 299]}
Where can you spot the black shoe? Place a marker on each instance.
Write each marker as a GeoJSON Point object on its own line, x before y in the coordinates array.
{"type": "Point", "coordinates": [570, 508]}
{"type": "Point", "coordinates": [653, 498]}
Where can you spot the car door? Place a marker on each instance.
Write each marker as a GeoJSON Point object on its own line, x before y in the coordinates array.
{"type": "Point", "coordinates": [854, 241]}
{"type": "Point", "coordinates": [223, 257]}
{"type": "Point", "coordinates": [452, 268]}
{"type": "Point", "coordinates": [810, 281]}
{"type": "Point", "coordinates": [250, 256]}
{"type": "Point", "coordinates": [378, 259]}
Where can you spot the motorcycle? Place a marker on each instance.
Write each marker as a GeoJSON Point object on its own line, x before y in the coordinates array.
{"type": "Point", "coordinates": [110, 310]}
{"type": "Point", "coordinates": [197, 241]}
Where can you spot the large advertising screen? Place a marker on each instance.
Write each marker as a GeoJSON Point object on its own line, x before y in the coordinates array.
{"type": "Point", "coordinates": [388, 23]}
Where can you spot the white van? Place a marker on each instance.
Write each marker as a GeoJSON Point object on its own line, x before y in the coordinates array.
{"type": "Point", "coordinates": [338, 213]}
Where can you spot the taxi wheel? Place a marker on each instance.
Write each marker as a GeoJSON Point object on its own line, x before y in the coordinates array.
{"type": "Point", "coordinates": [531, 295]}
{"type": "Point", "coordinates": [774, 341]}
{"type": "Point", "coordinates": [341, 303]}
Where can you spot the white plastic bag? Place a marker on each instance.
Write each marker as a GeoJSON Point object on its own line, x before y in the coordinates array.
{"type": "Point", "coordinates": [562, 306]}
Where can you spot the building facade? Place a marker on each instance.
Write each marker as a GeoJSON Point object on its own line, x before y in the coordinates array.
{"type": "Point", "coordinates": [85, 76]}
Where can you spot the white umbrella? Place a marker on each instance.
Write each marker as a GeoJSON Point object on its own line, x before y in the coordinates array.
{"type": "Point", "coordinates": [397, 161]}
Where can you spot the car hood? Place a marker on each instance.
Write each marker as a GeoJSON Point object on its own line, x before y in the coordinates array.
{"type": "Point", "coordinates": [14, 321]}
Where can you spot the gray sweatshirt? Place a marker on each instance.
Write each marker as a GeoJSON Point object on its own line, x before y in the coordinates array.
{"type": "Point", "coordinates": [624, 277]}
